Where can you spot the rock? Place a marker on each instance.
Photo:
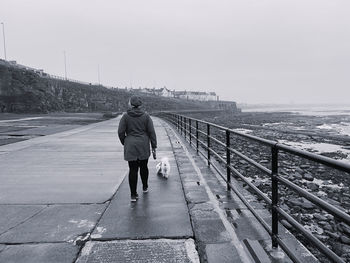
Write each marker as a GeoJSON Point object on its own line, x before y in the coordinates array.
{"type": "Point", "coordinates": [332, 234]}
{"type": "Point", "coordinates": [321, 237]}
{"type": "Point", "coordinates": [308, 177]}
{"type": "Point", "coordinates": [330, 217]}
{"type": "Point", "coordinates": [312, 186]}
{"type": "Point", "coordinates": [294, 202]}
{"type": "Point", "coordinates": [320, 217]}
{"type": "Point", "coordinates": [326, 225]}
{"type": "Point", "coordinates": [345, 239]}
{"type": "Point", "coordinates": [298, 170]}
{"type": "Point", "coordinates": [344, 228]}
{"type": "Point", "coordinates": [306, 204]}
{"type": "Point", "coordinates": [297, 176]}
{"type": "Point", "coordinates": [283, 172]}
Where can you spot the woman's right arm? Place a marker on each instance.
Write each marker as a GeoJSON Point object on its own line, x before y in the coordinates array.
{"type": "Point", "coordinates": [122, 129]}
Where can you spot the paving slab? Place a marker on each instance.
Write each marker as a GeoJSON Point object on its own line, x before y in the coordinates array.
{"type": "Point", "coordinates": [211, 231]}
{"type": "Point", "coordinates": [13, 215]}
{"type": "Point", "coordinates": [55, 224]}
{"type": "Point", "coordinates": [44, 130]}
{"type": "Point", "coordinates": [162, 212]}
{"type": "Point", "coordinates": [142, 251]}
{"type": "Point", "coordinates": [223, 253]}
{"type": "Point", "coordinates": [39, 253]}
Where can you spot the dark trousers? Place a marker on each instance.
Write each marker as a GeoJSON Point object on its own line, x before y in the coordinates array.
{"type": "Point", "coordinates": [133, 171]}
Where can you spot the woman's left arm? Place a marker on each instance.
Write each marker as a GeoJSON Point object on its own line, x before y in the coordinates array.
{"type": "Point", "coordinates": [151, 133]}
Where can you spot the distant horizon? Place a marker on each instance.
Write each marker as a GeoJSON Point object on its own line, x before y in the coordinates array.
{"type": "Point", "coordinates": [293, 104]}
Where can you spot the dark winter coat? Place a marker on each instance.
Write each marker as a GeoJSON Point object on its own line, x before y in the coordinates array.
{"type": "Point", "coordinates": [136, 133]}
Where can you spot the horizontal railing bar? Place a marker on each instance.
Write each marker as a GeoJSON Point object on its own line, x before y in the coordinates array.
{"type": "Point", "coordinates": [203, 143]}
{"type": "Point", "coordinates": [201, 132]}
{"type": "Point", "coordinates": [217, 141]}
{"type": "Point", "coordinates": [258, 192]}
{"type": "Point", "coordinates": [254, 138]}
{"type": "Point", "coordinates": [264, 141]}
{"type": "Point", "coordinates": [329, 253]}
{"type": "Point", "coordinates": [172, 121]}
{"type": "Point", "coordinates": [251, 161]}
{"type": "Point", "coordinates": [217, 155]}
{"type": "Point", "coordinates": [203, 154]}
{"type": "Point", "coordinates": [316, 200]}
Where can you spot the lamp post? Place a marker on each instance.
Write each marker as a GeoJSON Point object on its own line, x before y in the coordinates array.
{"type": "Point", "coordinates": [3, 33]}
{"type": "Point", "coordinates": [65, 65]}
{"type": "Point", "coordinates": [98, 74]}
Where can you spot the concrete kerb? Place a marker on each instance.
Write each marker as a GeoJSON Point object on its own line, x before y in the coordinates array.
{"type": "Point", "coordinates": [211, 228]}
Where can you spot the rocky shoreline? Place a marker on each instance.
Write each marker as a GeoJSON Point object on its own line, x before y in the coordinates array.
{"type": "Point", "coordinates": [329, 184]}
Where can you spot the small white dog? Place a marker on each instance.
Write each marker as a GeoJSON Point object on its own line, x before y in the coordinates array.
{"type": "Point", "coordinates": [163, 168]}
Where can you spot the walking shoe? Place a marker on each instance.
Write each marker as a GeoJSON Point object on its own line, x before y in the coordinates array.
{"type": "Point", "coordinates": [134, 198]}
{"type": "Point", "coordinates": [145, 189]}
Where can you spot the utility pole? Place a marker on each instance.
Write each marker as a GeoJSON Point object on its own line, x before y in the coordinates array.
{"type": "Point", "coordinates": [3, 33]}
{"type": "Point", "coordinates": [65, 65]}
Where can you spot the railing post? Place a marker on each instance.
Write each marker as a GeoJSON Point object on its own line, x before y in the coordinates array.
{"type": "Point", "coordinates": [181, 123]}
{"type": "Point", "coordinates": [274, 199]}
{"type": "Point", "coordinates": [177, 122]}
{"type": "Point", "coordinates": [197, 133]}
{"type": "Point", "coordinates": [185, 126]}
{"type": "Point", "coordinates": [208, 142]}
{"type": "Point", "coordinates": [228, 160]}
{"type": "Point", "coordinates": [190, 130]}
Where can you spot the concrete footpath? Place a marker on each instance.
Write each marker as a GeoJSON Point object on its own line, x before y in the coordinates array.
{"type": "Point", "coordinates": [65, 198]}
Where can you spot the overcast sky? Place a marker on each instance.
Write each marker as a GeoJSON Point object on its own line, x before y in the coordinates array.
{"type": "Point", "coordinates": [253, 51]}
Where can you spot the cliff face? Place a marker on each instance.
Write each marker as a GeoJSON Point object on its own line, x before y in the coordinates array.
{"type": "Point", "coordinates": [26, 91]}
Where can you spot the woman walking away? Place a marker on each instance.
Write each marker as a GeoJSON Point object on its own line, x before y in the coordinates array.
{"type": "Point", "coordinates": [136, 133]}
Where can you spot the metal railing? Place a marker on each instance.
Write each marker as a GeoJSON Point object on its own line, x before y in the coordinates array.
{"type": "Point", "coordinates": [189, 127]}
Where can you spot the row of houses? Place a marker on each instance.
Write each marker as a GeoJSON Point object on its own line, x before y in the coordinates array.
{"type": "Point", "coordinates": [187, 95]}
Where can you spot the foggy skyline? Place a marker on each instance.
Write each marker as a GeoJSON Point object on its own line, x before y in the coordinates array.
{"type": "Point", "coordinates": [246, 51]}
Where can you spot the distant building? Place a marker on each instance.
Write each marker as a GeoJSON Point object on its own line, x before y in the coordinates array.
{"type": "Point", "coordinates": [196, 95]}
{"type": "Point", "coordinates": [186, 95]}
{"type": "Point", "coordinates": [163, 92]}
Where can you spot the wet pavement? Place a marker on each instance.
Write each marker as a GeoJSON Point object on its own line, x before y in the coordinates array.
{"type": "Point", "coordinates": [65, 198]}
{"type": "Point", "coordinates": [62, 190]}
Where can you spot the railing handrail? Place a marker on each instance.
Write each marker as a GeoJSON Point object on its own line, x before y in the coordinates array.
{"type": "Point", "coordinates": [184, 125]}
{"type": "Point", "coordinates": [302, 153]}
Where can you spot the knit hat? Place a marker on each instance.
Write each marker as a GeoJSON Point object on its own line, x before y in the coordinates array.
{"type": "Point", "coordinates": [135, 101]}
